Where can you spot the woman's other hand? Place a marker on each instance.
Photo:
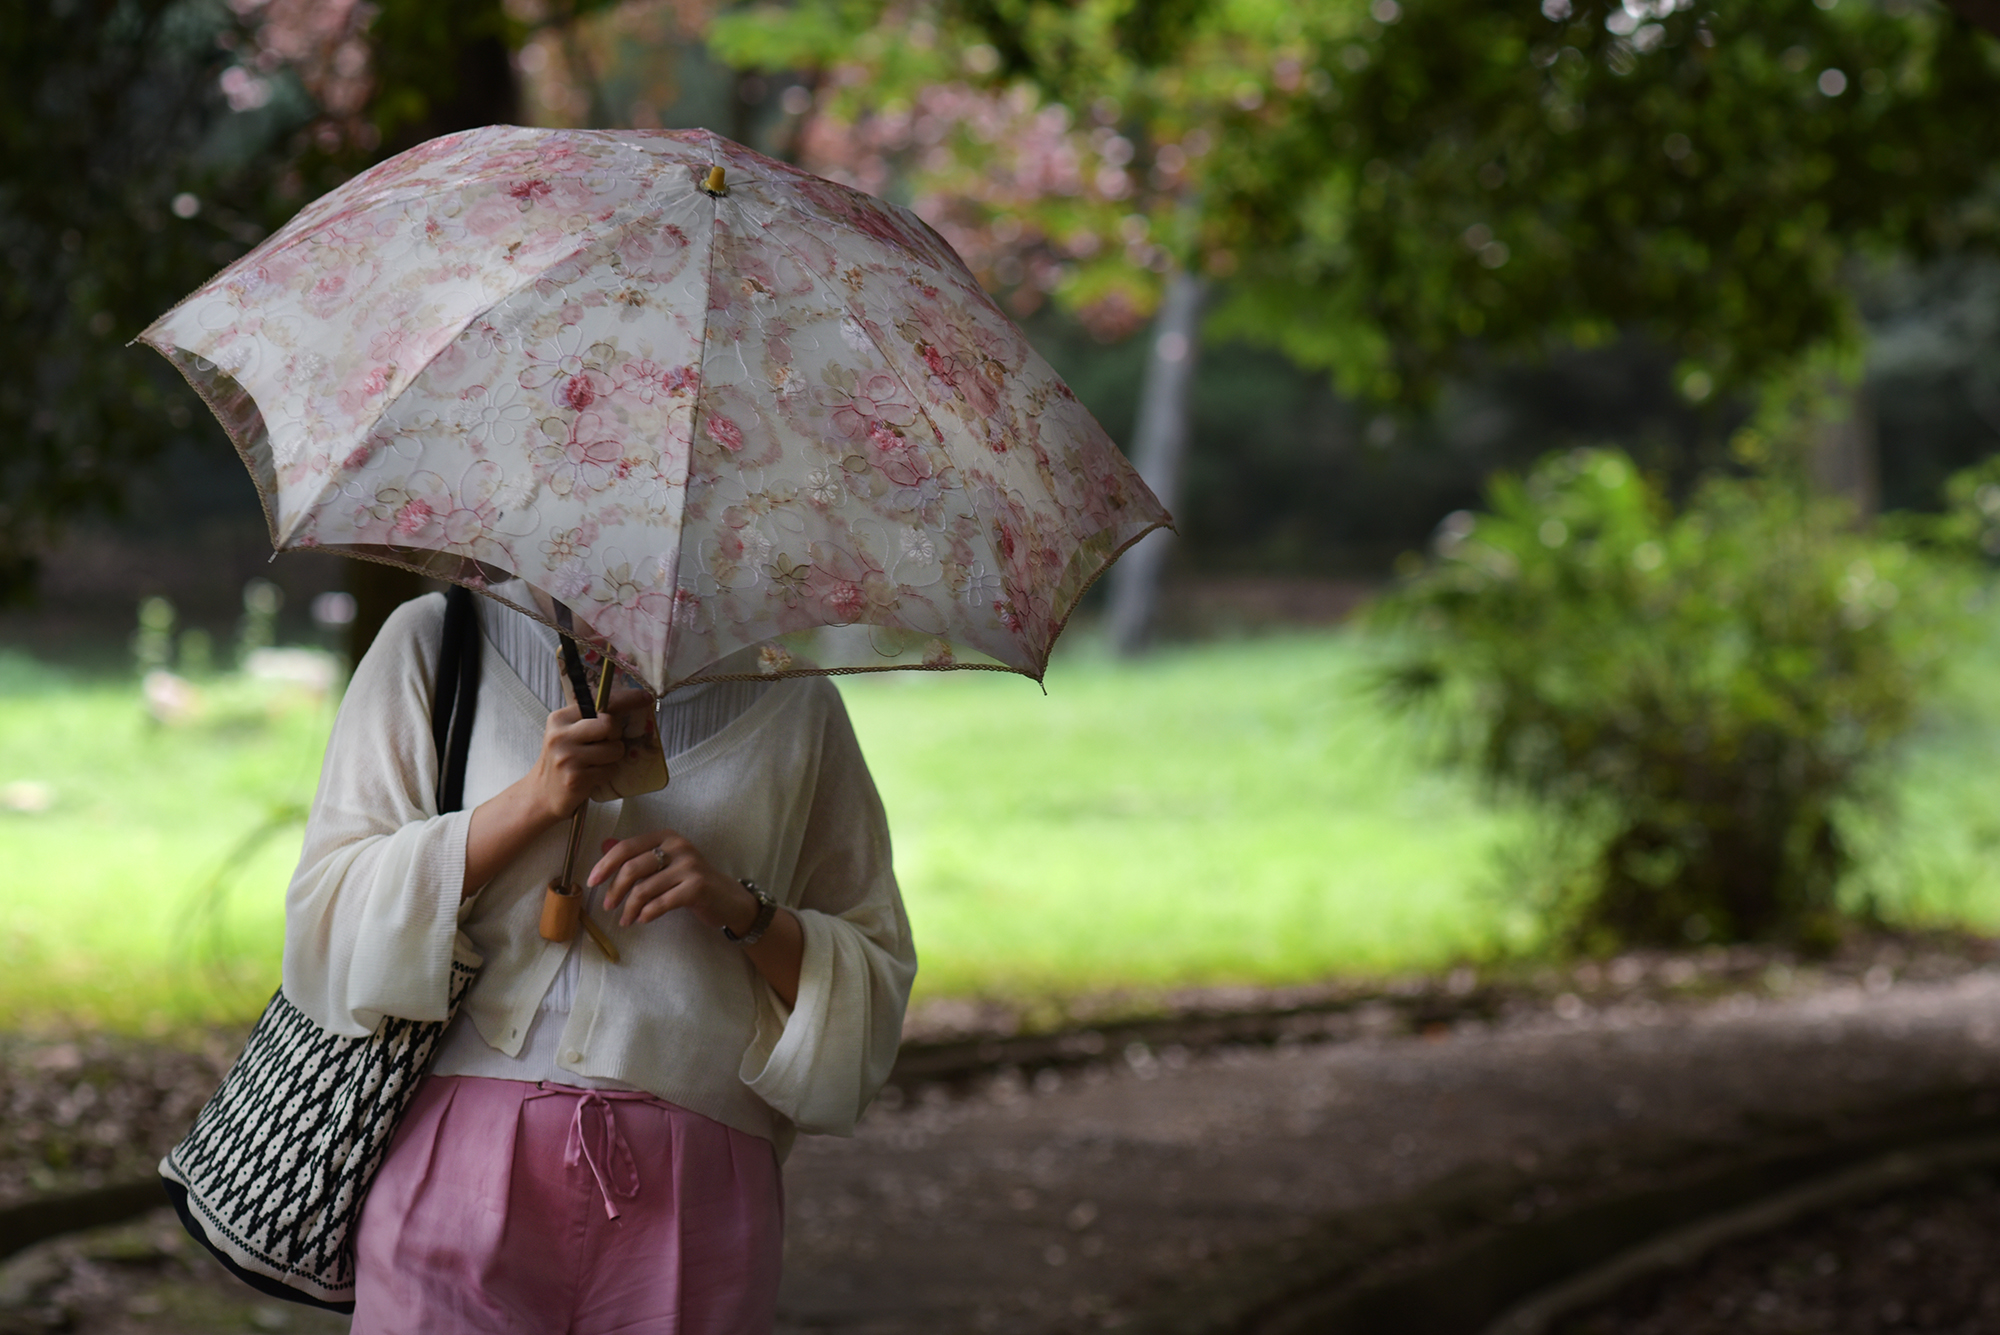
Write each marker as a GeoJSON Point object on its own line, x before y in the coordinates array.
{"type": "Point", "coordinates": [652, 874]}
{"type": "Point", "coordinates": [657, 872]}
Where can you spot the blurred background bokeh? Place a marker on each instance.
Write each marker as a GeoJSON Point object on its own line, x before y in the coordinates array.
{"type": "Point", "coordinates": [1578, 421]}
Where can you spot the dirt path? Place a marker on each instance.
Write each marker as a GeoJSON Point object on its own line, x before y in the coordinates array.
{"type": "Point", "coordinates": [1068, 1206]}
{"type": "Point", "coordinates": [1916, 1260]}
{"type": "Point", "coordinates": [1073, 1200]}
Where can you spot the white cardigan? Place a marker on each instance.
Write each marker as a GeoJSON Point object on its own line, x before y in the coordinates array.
{"type": "Point", "coordinates": [781, 797]}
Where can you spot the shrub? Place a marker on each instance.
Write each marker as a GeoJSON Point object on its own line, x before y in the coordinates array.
{"type": "Point", "coordinates": [1698, 699]}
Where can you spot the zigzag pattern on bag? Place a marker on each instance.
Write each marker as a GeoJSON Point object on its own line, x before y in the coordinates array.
{"type": "Point", "coordinates": [278, 1162]}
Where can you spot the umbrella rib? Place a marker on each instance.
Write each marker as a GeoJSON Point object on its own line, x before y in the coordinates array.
{"type": "Point", "coordinates": [339, 477]}
{"type": "Point", "coordinates": [917, 398]}
{"type": "Point", "coordinates": [694, 426]}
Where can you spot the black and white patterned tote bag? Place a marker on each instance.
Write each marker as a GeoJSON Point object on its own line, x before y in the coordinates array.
{"type": "Point", "coordinates": [273, 1175]}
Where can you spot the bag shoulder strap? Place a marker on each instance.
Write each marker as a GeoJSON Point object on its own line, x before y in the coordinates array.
{"type": "Point", "coordinates": [455, 696]}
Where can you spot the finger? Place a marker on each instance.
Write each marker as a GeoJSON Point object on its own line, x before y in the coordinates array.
{"type": "Point", "coordinates": [641, 871]}
{"type": "Point", "coordinates": [632, 900]}
{"type": "Point", "coordinates": [644, 867]}
{"type": "Point", "coordinates": [630, 701]}
{"type": "Point", "coordinates": [619, 851]}
{"type": "Point", "coordinates": [565, 716]}
{"type": "Point", "coordinates": [590, 755]}
{"type": "Point", "coordinates": [640, 856]}
{"type": "Point", "coordinates": [599, 729]}
{"type": "Point", "coordinates": [612, 866]}
{"type": "Point", "coordinates": [679, 895]}
{"type": "Point", "coordinates": [626, 877]}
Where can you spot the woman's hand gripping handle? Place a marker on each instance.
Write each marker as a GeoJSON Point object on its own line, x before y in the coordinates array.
{"type": "Point", "coordinates": [578, 754]}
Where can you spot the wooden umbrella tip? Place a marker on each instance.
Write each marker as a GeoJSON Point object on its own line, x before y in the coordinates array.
{"type": "Point", "coordinates": [717, 183]}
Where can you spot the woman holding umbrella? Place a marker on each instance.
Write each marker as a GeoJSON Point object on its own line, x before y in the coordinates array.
{"type": "Point", "coordinates": [735, 427]}
{"type": "Point", "coordinates": [597, 1146]}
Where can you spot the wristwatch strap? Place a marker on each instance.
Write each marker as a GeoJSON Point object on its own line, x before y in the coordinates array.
{"type": "Point", "coordinates": [767, 909]}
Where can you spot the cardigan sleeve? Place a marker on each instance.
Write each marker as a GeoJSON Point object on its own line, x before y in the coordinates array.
{"type": "Point", "coordinates": [820, 1065]}
{"type": "Point", "coordinates": [371, 916]}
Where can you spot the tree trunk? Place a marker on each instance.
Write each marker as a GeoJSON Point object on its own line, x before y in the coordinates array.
{"type": "Point", "coordinates": [1159, 447]}
{"type": "Point", "coordinates": [1843, 459]}
{"type": "Point", "coordinates": [1984, 13]}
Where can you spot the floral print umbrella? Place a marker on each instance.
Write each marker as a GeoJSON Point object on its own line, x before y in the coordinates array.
{"type": "Point", "coordinates": [707, 412]}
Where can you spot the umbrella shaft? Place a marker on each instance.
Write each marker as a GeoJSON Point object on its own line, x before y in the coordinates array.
{"type": "Point", "coordinates": [575, 843]}
{"type": "Point", "coordinates": [576, 820]}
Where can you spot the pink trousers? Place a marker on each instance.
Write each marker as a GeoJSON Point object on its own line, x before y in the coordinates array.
{"type": "Point", "coordinates": [504, 1206]}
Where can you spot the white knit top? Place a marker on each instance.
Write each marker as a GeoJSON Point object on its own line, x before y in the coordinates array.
{"type": "Point", "coordinates": [686, 718]}
{"type": "Point", "coordinates": [779, 795]}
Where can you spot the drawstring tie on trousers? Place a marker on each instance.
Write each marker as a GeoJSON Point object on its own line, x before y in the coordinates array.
{"type": "Point", "coordinates": [596, 1140]}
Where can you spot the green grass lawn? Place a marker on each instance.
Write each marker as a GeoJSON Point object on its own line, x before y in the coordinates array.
{"type": "Point", "coordinates": [1229, 812]}
{"type": "Point", "coordinates": [1938, 862]}
{"type": "Point", "coordinates": [100, 911]}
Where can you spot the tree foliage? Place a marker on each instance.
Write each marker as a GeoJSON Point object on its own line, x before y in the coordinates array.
{"type": "Point", "coordinates": [1078, 52]}
{"type": "Point", "coordinates": [1388, 186]}
{"type": "Point", "coordinates": [1383, 186]}
{"type": "Point", "coordinates": [1700, 172]}
{"type": "Point", "coordinates": [1028, 133]}
{"type": "Point", "coordinates": [146, 144]}
{"type": "Point", "coordinates": [125, 180]}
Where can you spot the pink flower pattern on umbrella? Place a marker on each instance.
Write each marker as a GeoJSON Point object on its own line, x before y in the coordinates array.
{"type": "Point", "coordinates": [581, 456]}
{"type": "Point", "coordinates": [879, 401]}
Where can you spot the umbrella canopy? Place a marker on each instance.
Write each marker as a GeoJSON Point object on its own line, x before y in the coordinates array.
{"type": "Point", "coordinates": [703, 410]}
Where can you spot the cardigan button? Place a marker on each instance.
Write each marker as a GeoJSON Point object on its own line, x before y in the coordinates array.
{"type": "Point", "coordinates": [572, 1056]}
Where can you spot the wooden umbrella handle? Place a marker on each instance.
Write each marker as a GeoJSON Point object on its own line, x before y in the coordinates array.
{"type": "Point", "coordinates": [562, 910]}
{"type": "Point", "coordinates": [562, 913]}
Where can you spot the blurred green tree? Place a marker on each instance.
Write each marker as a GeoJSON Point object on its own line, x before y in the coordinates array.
{"type": "Point", "coordinates": [384, 77]}
{"type": "Point", "coordinates": [149, 142]}
{"type": "Point", "coordinates": [131, 167]}
{"type": "Point", "coordinates": [1391, 190]}
{"type": "Point", "coordinates": [1700, 702]}
{"type": "Point", "coordinates": [1391, 186]}
{"type": "Point", "coordinates": [1698, 172]}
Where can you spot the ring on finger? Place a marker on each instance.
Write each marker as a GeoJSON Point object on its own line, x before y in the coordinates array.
{"type": "Point", "coordinates": [660, 857]}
